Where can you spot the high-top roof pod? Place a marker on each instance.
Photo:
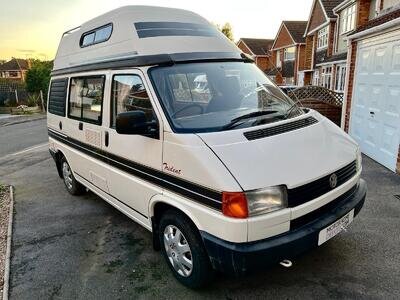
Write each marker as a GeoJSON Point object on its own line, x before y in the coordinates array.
{"type": "Point", "coordinates": [133, 32]}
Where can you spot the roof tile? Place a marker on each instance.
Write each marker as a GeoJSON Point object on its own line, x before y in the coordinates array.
{"type": "Point", "coordinates": [296, 30]}
{"type": "Point", "coordinates": [258, 46]}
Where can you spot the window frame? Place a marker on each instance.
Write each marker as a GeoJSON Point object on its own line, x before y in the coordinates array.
{"type": "Point", "coordinates": [82, 119]}
{"type": "Point", "coordinates": [325, 36]}
{"type": "Point", "coordinates": [278, 59]}
{"type": "Point", "coordinates": [112, 100]}
{"type": "Point", "coordinates": [324, 75]}
{"type": "Point", "coordinates": [344, 23]}
{"type": "Point", "coordinates": [94, 38]}
{"type": "Point", "coordinates": [285, 51]}
{"type": "Point", "coordinates": [340, 77]}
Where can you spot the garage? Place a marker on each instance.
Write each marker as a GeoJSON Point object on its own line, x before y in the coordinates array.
{"type": "Point", "coordinates": [375, 107]}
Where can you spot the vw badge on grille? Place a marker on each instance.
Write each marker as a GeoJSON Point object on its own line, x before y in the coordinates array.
{"type": "Point", "coordinates": [333, 181]}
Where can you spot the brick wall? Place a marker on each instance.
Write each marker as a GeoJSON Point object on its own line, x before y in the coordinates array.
{"type": "Point", "coordinates": [264, 63]}
{"type": "Point", "coordinates": [317, 17]}
{"type": "Point", "coordinates": [302, 57]}
{"type": "Point", "coordinates": [350, 86]}
{"type": "Point", "coordinates": [308, 78]}
{"type": "Point", "coordinates": [363, 12]}
{"type": "Point", "coordinates": [244, 48]}
{"type": "Point", "coordinates": [331, 38]}
{"type": "Point", "coordinates": [283, 39]}
{"type": "Point", "coordinates": [308, 52]}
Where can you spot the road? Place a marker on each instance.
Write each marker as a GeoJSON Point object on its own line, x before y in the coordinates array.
{"type": "Point", "coordinates": [17, 137]}
{"type": "Point", "coordinates": [67, 247]}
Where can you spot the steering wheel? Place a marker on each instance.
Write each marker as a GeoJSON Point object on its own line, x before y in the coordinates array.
{"type": "Point", "coordinates": [187, 107]}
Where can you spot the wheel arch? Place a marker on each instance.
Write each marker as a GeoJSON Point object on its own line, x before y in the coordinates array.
{"type": "Point", "coordinates": [158, 205]}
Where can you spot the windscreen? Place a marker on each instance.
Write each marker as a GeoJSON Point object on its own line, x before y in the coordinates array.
{"type": "Point", "coordinates": [218, 96]}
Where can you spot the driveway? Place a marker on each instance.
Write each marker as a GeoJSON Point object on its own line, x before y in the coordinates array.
{"type": "Point", "coordinates": [81, 247]}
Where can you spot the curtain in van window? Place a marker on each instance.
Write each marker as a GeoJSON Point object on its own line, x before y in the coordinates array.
{"type": "Point", "coordinates": [86, 98]}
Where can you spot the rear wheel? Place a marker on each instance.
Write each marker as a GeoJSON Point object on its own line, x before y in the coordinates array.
{"type": "Point", "coordinates": [73, 186]}
{"type": "Point", "coordinates": [183, 250]}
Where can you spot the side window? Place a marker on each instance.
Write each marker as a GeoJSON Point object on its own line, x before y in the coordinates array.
{"type": "Point", "coordinates": [86, 98]}
{"type": "Point", "coordinates": [128, 93]}
{"type": "Point", "coordinates": [96, 36]}
{"type": "Point", "coordinates": [57, 96]}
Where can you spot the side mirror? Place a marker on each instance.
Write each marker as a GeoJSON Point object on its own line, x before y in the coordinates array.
{"type": "Point", "coordinates": [135, 122]}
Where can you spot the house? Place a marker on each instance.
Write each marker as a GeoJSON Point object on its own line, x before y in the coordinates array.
{"type": "Point", "coordinates": [259, 50]}
{"type": "Point", "coordinates": [371, 110]}
{"type": "Point", "coordinates": [288, 52]}
{"type": "Point", "coordinates": [15, 69]}
{"type": "Point", "coordinates": [326, 51]}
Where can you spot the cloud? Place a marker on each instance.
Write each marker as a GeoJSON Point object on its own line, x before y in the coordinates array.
{"type": "Point", "coordinates": [26, 51]}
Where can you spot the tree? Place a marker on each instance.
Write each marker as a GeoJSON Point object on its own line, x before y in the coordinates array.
{"type": "Point", "coordinates": [38, 76]}
{"type": "Point", "coordinates": [226, 29]}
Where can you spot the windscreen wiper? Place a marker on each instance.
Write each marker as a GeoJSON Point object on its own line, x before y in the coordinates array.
{"type": "Point", "coordinates": [234, 122]}
{"type": "Point", "coordinates": [290, 109]}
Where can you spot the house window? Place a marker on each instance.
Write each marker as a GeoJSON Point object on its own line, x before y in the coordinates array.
{"type": "Point", "coordinates": [322, 38]}
{"type": "Point", "coordinates": [96, 36]}
{"type": "Point", "coordinates": [390, 3]}
{"type": "Point", "coordinates": [348, 19]}
{"type": "Point", "coordinates": [326, 77]}
{"type": "Point", "coordinates": [316, 78]}
{"type": "Point", "coordinates": [340, 78]}
{"type": "Point", "coordinates": [13, 74]}
{"type": "Point", "coordinates": [288, 80]}
{"type": "Point", "coordinates": [86, 98]}
{"type": "Point", "coordinates": [289, 53]}
{"type": "Point", "coordinates": [278, 59]}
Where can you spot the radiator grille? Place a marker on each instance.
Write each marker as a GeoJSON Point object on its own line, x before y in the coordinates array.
{"type": "Point", "coordinates": [318, 213]}
{"type": "Point", "coordinates": [271, 131]}
{"type": "Point", "coordinates": [312, 190]}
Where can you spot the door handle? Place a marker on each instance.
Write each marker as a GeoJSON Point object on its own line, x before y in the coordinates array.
{"type": "Point", "coordinates": [106, 138]}
{"type": "Point", "coordinates": [80, 126]}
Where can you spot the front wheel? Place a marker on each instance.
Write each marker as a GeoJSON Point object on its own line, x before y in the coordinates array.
{"type": "Point", "coordinates": [73, 186]}
{"type": "Point", "coordinates": [183, 250]}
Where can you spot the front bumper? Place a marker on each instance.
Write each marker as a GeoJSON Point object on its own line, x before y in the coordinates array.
{"type": "Point", "coordinates": [239, 258]}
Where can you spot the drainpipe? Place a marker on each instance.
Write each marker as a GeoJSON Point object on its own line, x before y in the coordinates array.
{"type": "Point", "coordinates": [346, 85]}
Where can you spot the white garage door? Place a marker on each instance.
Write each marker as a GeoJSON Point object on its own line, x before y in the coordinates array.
{"type": "Point", "coordinates": [375, 111]}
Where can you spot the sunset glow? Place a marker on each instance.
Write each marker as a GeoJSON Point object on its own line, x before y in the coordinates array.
{"type": "Point", "coordinates": [32, 29]}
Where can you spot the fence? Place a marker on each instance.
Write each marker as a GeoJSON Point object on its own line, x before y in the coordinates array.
{"type": "Point", "coordinates": [14, 93]}
{"type": "Point", "coordinates": [326, 102]}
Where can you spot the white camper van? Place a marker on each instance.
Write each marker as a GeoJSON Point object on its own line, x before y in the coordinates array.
{"type": "Point", "coordinates": [159, 114]}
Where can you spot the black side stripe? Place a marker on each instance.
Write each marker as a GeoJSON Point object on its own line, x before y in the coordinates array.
{"type": "Point", "coordinates": [154, 29]}
{"type": "Point", "coordinates": [198, 193]}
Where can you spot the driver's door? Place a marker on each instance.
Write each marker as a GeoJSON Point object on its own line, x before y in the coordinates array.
{"type": "Point", "coordinates": [130, 153]}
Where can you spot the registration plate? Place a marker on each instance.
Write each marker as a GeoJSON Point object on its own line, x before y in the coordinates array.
{"type": "Point", "coordinates": [333, 229]}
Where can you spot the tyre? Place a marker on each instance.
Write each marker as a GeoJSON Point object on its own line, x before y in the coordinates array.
{"type": "Point", "coordinates": [183, 250]}
{"type": "Point", "coordinates": [73, 186]}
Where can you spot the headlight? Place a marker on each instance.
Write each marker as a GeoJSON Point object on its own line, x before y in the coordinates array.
{"type": "Point", "coordinates": [266, 200]}
{"type": "Point", "coordinates": [358, 159]}
{"type": "Point", "coordinates": [243, 205]}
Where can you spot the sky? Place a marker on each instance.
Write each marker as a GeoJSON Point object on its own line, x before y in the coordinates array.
{"type": "Point", "coordinates": [33, 28]}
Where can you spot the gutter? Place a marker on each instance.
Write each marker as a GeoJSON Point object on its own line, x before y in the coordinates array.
{"type": "Point", "coordinates": [373, 30]}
